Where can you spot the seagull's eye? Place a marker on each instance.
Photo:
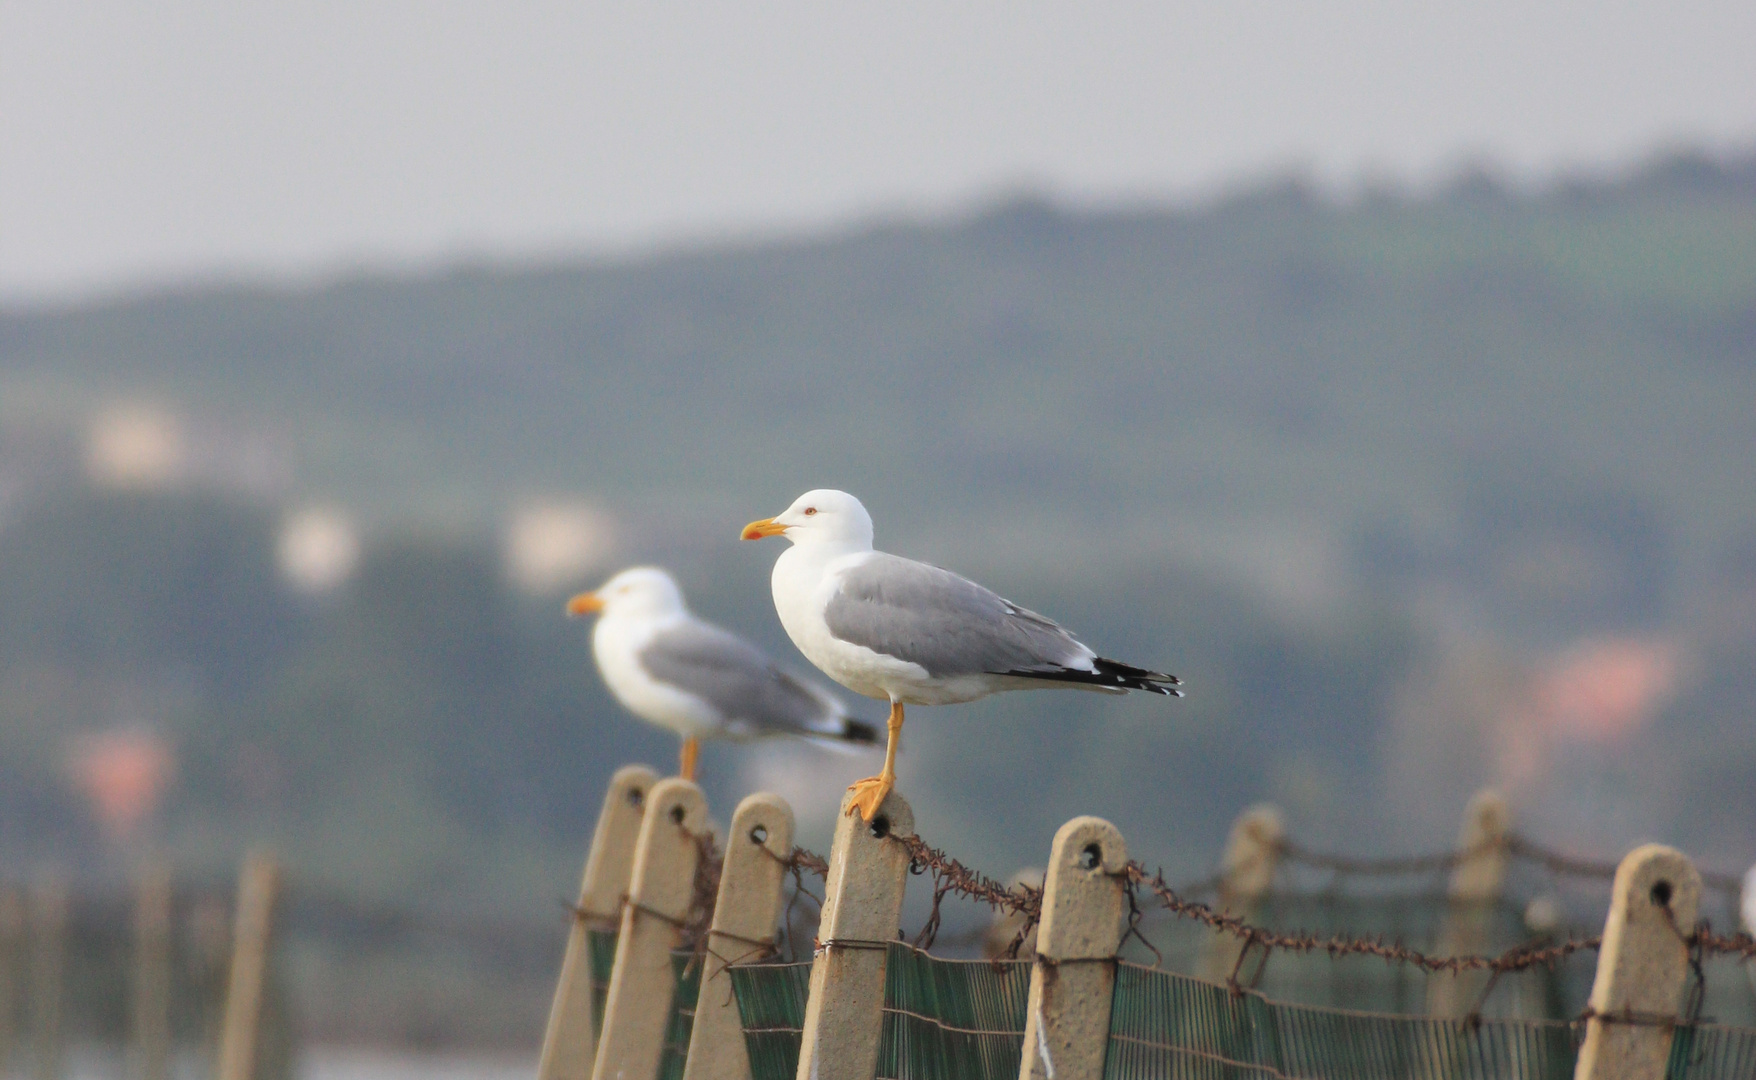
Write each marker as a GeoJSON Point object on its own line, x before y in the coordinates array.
{"type": "Point", "coordinates": [809, 510]}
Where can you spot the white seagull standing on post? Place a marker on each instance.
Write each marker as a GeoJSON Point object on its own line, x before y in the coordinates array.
{"type": "Point", "coordinates": [672, 669]}
{"type": "Point", "coordinates": [913, 634]}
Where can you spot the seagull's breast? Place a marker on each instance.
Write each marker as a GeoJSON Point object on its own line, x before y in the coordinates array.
{"type": "Point", "coordinates": [804, 583]}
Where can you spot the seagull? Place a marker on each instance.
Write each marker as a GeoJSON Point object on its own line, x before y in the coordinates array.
{"type": "Point", "coordinates": [672, 669]}
{"type": "Point", "coordinates": [913, 634]}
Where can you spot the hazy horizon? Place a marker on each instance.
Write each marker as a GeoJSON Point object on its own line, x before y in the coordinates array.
{"type": "Point", "coordinates": [197, 143]}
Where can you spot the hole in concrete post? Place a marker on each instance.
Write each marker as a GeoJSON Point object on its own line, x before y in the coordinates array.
{"type": "Point", "coordinates": [636, 796]}
{"type": "Point", "coordinates": [1661, 893]}
{"type": "Point", "coordinates": [1091, 856]}
{"type": "Point", "coordinates": [678, 814]}
{"type": "Point", "coordinates": [759, 835]}
{"type": "Point", "coordinates": [881, 826]}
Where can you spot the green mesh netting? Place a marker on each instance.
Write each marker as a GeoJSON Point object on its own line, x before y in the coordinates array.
{"type": "Point", "coordinates": [601, 949]}
{"type": "Point", "coordinates": [951, 1018]}
{"type": "Point", "coordinates": [964, 1020]}
{"type": "Point", "coordinates": [1711, 1052]}
{"type": "Point", "coordinates": [686, 966]}
{"type": "Point", "coordinates": [771, 1008]}
{"type": "Point", "coordinates": [942, 1018]}
{"type": "Point", "coordinates": [1164, 1025]}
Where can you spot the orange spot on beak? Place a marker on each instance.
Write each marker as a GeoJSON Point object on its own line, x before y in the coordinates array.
{"type": "Point", "coordinates": [586, 603]}
{"type": "Point", "coordinates": [756, 530]}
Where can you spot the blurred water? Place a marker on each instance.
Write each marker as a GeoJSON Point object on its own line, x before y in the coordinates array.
{"type": "Point", "coordinates": [338, 1063]}
{"type": "Point", "coordinates": [320, 1063]}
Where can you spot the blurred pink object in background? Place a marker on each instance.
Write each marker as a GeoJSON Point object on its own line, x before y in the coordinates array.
{"type": "Point", "coordinates": [123, 772]}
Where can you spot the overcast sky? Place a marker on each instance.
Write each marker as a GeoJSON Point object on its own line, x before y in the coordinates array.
{"type": "Point", "coordinates": [141, 143]}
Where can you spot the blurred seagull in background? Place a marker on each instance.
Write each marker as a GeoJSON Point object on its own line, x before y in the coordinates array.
{"type": "Point", "coordinates": [913, 634]}
{"type": "Point", "coordinates": [671, 669]}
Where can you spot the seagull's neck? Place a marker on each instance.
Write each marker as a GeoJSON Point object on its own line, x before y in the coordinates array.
{"type": "Point", "coordinates": [818, 552]}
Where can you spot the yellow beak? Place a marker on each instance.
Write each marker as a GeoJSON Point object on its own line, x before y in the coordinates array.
{"type": "Point", "coordinates": [585, 603]}
{"type": "Point", "coordinates": [756, 530]}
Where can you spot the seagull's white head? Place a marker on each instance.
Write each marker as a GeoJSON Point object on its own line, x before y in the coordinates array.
{"type": "Point", "coordinates": [639, 590]}
{"type": "Point", "coordinates": [824, 516]}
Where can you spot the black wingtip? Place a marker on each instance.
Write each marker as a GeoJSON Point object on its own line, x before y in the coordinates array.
{"type": "Point", "coordinates": [1109, 673]}
{"type": "Point", "coordinates": [858, 731]}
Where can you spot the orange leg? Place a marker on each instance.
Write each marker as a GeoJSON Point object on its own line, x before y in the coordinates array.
{"type": "Point", "coordinates": [870, 793]}
{"type": "Point", "coordinates": [687, 756]}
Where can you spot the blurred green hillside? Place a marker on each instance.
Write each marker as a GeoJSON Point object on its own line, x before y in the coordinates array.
{"type": "Point", "coordinates": [1298, 453]}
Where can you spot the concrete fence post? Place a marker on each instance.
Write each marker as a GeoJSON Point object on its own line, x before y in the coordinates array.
{"type": "Point", "coordinates": [1642, 967]}
{"type": "Point", "coordinates": [1252, 857]}
{"type": "Point", "coordinates": [149, 1008]}
{"type": "Point", "coordinates": [1476, 882]}
{"type": "Point", "coordinates": [1067, 1016]}
{"type": "Point", "coordinates": [48, 977]}
{"type": "Point", "coordinates": [660, 895]}
{"type": "Point", "coordinates": [862, 913]}
{"type": "Point", "coordinates": [744, 919]}
{"type": "Point", "coordinates": [569, 1043]}
{"type": "Point", "coordinates": [252, 934]}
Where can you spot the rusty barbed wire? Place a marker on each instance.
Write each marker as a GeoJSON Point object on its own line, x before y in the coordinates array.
{"type": "Point", "coordinates": [1523, 847]}
{"type": "Point", "coordinates": [1515, 845]}
{"type": "Point", "coordinates": [1393, 865]}
{"type": "Point", "coordinates": [1518, 958]}
{"type": "Point", "coordinates": [1742, 946]}
{"type": "Point", "coordinates": [973, 884]}
{"type": "Point", "coordinates": [808, 861]}
{"type": "Point", "coordinates": [953, 877]}
{"type": "Point", "coordinates": [704, 893]}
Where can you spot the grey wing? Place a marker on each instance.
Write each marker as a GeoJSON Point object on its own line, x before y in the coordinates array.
{"type": "Point", "coordinates": [752, 695]}
{"type": "Point", "coordinates": [947, 624]}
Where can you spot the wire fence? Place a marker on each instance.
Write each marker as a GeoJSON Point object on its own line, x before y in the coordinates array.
{"type": "Point", "coordinates": [1556, 989]}
{"type": "Point", "coordinates": [947, 1017]}
{"type": "Point", "coordinates": [951, 877]}
{"type": "Point", "coordinates": [350, 969]}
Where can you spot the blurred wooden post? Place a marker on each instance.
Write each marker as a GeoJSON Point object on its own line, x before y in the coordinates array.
{"type": "Point", "coordinates": [744, 919]}
{"type": "Point", "coordinates": [1642, 968]}
{"type": "Point", "coordinates": [210, 940]}
{"type": "Point", "coordinates": [150, 1005]}
{"type": "Point", "coordinates": [1067, 1017]}
{"type": "Point", "coordinates": [659, 898]}
{"type": "Point", "coordinates": [11, 961]}
{"type": "Point", "coordinates": [1747, 916]}
{"type": "Point", "coordinates": [48, 929]}
{"type": "Point", "coordinates": [252, 927]}
{"type": "Point", "coordinates": [1252, 856]}
{"type": "Point", "coordinates": [862, 913]}
{"type": "Point", "coordinates": [1476, 883]}
{"type": "Point", "coordinates": [569, 1043]}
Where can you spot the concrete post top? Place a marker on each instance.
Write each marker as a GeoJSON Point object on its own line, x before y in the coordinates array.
{"type": "Point", "coordinates": [1644, 958]}
{"type": "Point", "coordinates": [763, 819]}
{"type": "Point", "coordinates": [1487, 819]}
{"type": "Point", "coordinates": [1082, 897]}
{"type": "Point", "coordinates": [630, 785]}
{"type": "Point", "coordinates": [867, 872]}
{"type": "Point", "coordinates": [679, 802]}
{"type": "Point", "coordinates": [1252, 854]}
{"type": "Point", "coordinates": [1260, 824]}
{"type": "Point", "coordinates": [894, 817]}
{"type": "Point", "coordinates": [1088, 846]}
{"type": "Point", "coordinates": [1658, 883]}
